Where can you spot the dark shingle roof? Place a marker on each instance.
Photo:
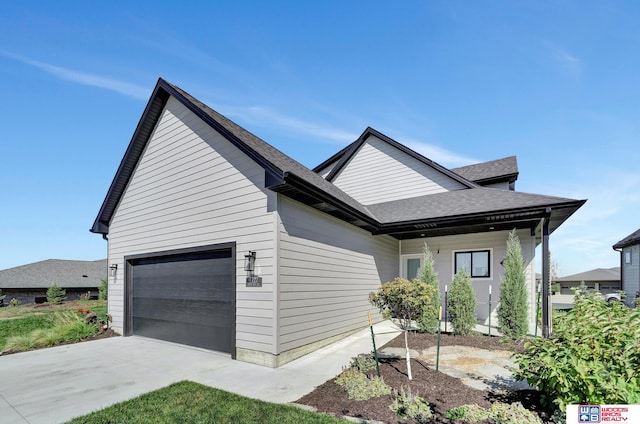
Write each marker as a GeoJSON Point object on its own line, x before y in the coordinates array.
{"type": "Point", "coordinates": [459, 203]}
{"type": "Point", "coordinates": [499, 169]}
{"type": "Point", "coordinates": [280, 169]}
{"type": "Point", "coordinates": [598, 274]}
{"type": "Point", "coordinates": [292, 179]}
{"type": "Point", "coordinates": [64, 273]}
{"type": "Point", "coordinates": [633, 238]}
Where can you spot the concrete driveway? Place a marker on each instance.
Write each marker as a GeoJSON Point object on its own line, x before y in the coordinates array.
{"type": "Point", "coordinates": [56, 384]}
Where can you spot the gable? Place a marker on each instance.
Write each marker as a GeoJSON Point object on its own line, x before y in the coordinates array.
{"type": "Point", "coordinates": [379, 172]}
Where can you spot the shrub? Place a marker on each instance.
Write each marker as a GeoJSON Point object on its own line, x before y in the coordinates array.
{"type": "Point", "coordinates": [499, 413]}
{"type": "Point", "coordinates": [412, 407]}
{"type": "Point", "coordinates": [103, 290]}
{"type": "Point", "coordinates": [461, 305]}
{"type": "Point", "coordinates": [404, 301]}
{"type": "Point", "coordinates": [14, 302]}
{"type": "Point", "coordinates": [364, 362]}
{"type": "Point", "coordinates": [359, 387]}
{"type": "Point", "coordinates": [591, 358]}
{"type": "Point", "coordinates": [428, 321]}
{"type": "Point", "coordinates": [512, 312]}
{"type": "Point", "coordinates": [55, 294]}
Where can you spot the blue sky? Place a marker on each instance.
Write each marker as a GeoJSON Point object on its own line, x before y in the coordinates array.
{"type": "Point", "coordinates": [556, 83]}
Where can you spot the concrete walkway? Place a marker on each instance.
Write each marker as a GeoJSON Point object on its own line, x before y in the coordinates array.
{"type": "Point", "coordinates": [56, 384]}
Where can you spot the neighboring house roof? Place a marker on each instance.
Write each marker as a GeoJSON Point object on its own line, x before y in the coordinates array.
{"type": "Point", "coordinates": [633, 238]}
{"type": "Point", "coordinates": [64, 273]}
{"type": "Point", "coordinates": [598, 274]}
{"type": "Point", "coordinates": [495, 171]}
{"type": "Point", "coordinates": [472, 209]}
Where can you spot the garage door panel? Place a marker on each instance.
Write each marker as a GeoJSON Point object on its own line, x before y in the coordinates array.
{"type": "Point", "coordinates": [208, 336]}
{"type": "Point", "coordinates": [193, 311]}
{"type": "Point", "coordinates": [185, 298]}
{"type": "Point", "coordinates": [179, 291]}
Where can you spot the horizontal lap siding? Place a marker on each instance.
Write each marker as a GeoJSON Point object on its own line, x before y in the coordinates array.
{"type": "Point", "coordinates": [327, 270]}
{"type": "Point", "coordinates": [193, 188]}
{"type": "Point", "coordinates": [497, 242]}
{"type": "Point", "coordinates": [631, 273]}
{"type": "Point", "coordinates": [379, 172]}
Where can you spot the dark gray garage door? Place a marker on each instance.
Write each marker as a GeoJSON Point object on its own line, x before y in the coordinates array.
{"type": "Point", "coordinates": [185, 298]}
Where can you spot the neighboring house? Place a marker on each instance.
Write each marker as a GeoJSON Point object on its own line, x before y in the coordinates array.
{"type": "Point", "coordinates": [29, 283]}
{"type": "Point", "coordinates": [196, 196]}
{"type": "Point", "coordinates": [604, 280]}
{"type": "Point", "coordinates": [629, 248]}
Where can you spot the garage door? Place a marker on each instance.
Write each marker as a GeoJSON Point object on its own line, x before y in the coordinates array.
{"type": "Point", "coordinates": [185, 298]}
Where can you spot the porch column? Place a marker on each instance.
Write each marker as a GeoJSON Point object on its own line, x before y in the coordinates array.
{"type": "Point", "coordinates": [546, 284]}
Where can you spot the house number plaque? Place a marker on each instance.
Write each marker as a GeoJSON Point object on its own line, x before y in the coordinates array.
{"type": "Point", "coordinates": [254, 281]}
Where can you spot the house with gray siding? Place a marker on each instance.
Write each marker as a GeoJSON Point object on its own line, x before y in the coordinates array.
{"type": "Point", "coordinates": [219, 240]}
{"type": "Point", "coordinates": [629, 248]}
{"type": "Point", "coordinates": [29, 283]}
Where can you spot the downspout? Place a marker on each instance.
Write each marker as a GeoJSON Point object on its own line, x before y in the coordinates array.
{"type": "Point", "coordinates": [621, 268]}
{"type": "Point", "coordinates": [546, 284]}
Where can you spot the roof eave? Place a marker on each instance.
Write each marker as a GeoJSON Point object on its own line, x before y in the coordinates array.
{"type": "Point", "coordinates": [479, 222]}
{"type": "Point", "coordinates": [151, 113]}
{"type": "Point", "coordinates": [298, 189]}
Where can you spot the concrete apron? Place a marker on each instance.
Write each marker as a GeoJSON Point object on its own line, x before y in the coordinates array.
{"type": "Point", "coordinates": [56, 384]}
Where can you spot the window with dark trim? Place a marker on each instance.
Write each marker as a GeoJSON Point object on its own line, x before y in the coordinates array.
{"type": "Point", "coordinates": [475, 262]}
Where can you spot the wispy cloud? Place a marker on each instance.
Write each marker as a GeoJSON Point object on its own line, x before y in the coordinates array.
{"type": "Point", "coordinates": [584, 241]}
{"type": "Point", "coordinates": [85, 78]}
{"type": "Point", "coordinates": [266, 117]}
{"type": "Point", "coordinates": [438, 154]}
{"type": "Point", "coordinates": [569, 62]}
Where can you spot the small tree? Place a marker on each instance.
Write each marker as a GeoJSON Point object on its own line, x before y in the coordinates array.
{"type": "Point", "coordinates": [55, 294]}
{"type": "Point", "coordinates": [512, 312]}
{"type": "Point", "coordinates": [404, 301]}
{"type": "Point", "coordinates": [103, 290]}
{"type": "Point", "coordinates": [461, 304]}
{"type": "Point", "coordinates": [429, 320]}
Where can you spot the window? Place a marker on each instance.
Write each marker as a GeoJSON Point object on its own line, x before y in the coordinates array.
{"type": "Point", "coordinates": [627, 257]}
{"type": "Point", "coordinates": [476, 263]}
{"type": "Point", "coordinates": [412, 267]}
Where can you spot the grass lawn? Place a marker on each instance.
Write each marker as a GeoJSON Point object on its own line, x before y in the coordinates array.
{"type": "Point", "coordinates": [188, 402]}
{"type": "Point", "coordinates": [38, 325]}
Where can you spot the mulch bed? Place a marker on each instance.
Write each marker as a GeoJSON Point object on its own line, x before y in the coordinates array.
{"type": "Point", "coordinates": [440, 390]}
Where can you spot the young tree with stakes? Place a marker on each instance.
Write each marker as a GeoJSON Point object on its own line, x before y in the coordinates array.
{"type": "Point", "coordinates": [404, 301]}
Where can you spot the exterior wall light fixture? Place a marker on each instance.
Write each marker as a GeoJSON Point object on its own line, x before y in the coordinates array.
{"type": "Point", "coordinates": [250, 262]}
{"type": "Point", "coordinates": [113, 270]}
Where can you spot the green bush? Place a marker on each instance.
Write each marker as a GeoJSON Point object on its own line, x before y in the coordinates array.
{"type": "Point", "coordinates": [428, 321]}
{"type": "Point", "coordinates": [359, 387]}
{"type": "Point", "coordinates": [591, 358]}
{"type": "Point", "coordinates": [412, 407]}
{"type": "Point", "coordinates": [103, 290]}
{"type": "Point", "coordinates": [14, 302]}
{"type": "Point", "coordinates": [55, 294]}
{"type": "Point", "coordinates": [512, 312]}
{"type": "Point", "coordinates": [461, 304]}
{"type": "Point", "coordinates": [364, 362]}
{"type": "Point", "coordinates": [499, 413]}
